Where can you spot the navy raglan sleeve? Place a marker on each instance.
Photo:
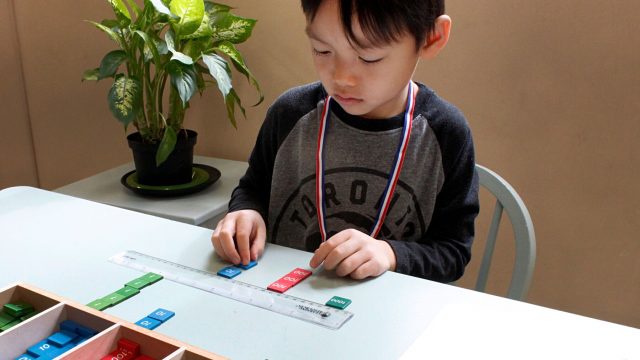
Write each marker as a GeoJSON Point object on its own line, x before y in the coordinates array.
{"type": "Point", "coordinates": [445, 250]}
{"type": "Point", "coordinates": [254, 188]}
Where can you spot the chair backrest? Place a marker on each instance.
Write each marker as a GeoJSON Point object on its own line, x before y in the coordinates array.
{"type": "Point", "coordinates": [508, 200]}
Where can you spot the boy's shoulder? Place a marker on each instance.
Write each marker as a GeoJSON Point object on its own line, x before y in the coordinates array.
{"type": "Point", "coordinates": [299, 100]}
{"type": "Point", "coordinates": [443, 117]}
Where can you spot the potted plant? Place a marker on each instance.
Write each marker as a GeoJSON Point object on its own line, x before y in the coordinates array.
{"type": "Point", "coordinates": [167, 51]}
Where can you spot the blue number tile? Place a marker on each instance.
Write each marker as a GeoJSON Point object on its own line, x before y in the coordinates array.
{"type": "Point", "coordinates": [85, 331]}
{"type": "Point", "coordinates": [80, 339]}
{"type": "Point", "coordinates": [25, 357]}
{"type": "Point", "coordinates": [44, 350]}
{"type": "Point", "coordinates": [69, 325]}
{"type": "Point", "coordinates": [149, 323]}
{"type": "Point", "coordinates": [62, 338]}
{"type": "Point", "coordinates": [229, 272]}
{"type": "Point", "coordinates": [248, 266]}
{"type": "Point", "coordinates": [162, 315]}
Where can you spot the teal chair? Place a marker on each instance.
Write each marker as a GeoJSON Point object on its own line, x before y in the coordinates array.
{"type": "Point", "coordinates": [508, 200]}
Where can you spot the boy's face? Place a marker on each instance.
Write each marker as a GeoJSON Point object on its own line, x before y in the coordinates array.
{"type": "Point", "coordinates": [369, 82]}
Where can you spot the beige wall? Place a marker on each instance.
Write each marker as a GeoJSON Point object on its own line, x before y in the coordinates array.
{"type": "Point", "coordinates": [550, 89]}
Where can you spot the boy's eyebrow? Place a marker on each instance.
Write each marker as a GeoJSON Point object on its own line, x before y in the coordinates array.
{"type": "Point", "coordinates": [312, 35]}
{"type": "Point", "coordinates": [365, 45]}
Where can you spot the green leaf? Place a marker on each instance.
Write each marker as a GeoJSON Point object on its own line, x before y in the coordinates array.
{"type": "Point", "coordinates": [167, 144]}
{"type": "Point", "coordinates": [150, 49]}
{"type": "Point", "coordinates": [203, 31]}
{"type": "Point", "coordinates": [110, 23]}
{"type": "Point", "coordinates": [190, 13]}
{"type": "Point", "coordinates": [194, 48]}
{"type": "Point", "coordinates": [121, 11]}
{"type": "Point", "coordinates": [230, 101]}
{"type": "Point", "coordinates": [219, 69]}
{"type": "Point", "coordinates": [183, 58]}
{"type": "Point", "coordinates": [212, 8]}
{"type": "Point", "coordinates": [111, 62]}
{"type": "Point", "coordinates": [162, 8]}
{"type": "Point", "coordinates": [136, 9]}
{"type": "Point", "coordinates": [228, 27]}
{"type": "Point", "coordinates": [184, 79]}
{"type": "Point", "coordinates": [109, 32]}
{"type": "Point", "coordinates": [125, 99]}
{"type": "Point", "coordinates": [91, 75]}
{"type": "Point", "coordinates": [202, 85]}
{"type": "Point", "coordinates": [238, 62]}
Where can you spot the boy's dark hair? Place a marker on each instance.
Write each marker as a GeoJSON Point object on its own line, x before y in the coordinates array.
{"type": "Point", "coordinates": [383, 21]}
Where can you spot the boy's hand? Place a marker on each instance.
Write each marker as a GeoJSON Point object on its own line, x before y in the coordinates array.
{"type": "Point", "coordinates": [240, 236]}
{"type": "Point", "coordinates": [351, 252]}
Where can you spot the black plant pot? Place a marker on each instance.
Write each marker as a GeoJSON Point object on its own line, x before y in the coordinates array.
{"type": "Point", "coordinates": [177, 169]}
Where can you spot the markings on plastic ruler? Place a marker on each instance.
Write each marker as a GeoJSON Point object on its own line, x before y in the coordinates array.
{"type": "Point", "coordinates": [288, 305]}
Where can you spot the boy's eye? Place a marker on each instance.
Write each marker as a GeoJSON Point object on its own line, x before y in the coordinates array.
{"type": "Point", "coordinates": [366, 61]}
{"type": "Point", "coordinates": [318, 52]}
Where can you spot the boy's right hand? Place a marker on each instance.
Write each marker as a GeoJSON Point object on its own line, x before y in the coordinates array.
{"type": "Point", "coordinates": [240, 236]}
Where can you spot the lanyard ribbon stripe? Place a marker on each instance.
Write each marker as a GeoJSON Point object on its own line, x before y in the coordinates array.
{"type": "Point", "coordinates": [393, 176]}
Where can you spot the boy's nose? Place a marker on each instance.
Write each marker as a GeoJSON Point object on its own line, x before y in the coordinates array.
{"type": "Point", "coordinates": [343, 74]}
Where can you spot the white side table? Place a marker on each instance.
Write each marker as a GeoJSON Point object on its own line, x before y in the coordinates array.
{"type": "Point", "coordinates": [204, 208]}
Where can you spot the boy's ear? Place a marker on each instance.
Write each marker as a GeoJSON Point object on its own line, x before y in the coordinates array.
{"type": "Point", "coordinates": [436, 40]}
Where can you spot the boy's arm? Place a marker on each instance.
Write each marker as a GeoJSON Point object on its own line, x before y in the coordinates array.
{"type": "Point", "coordinates": [254, 188]}
{"type": "Point", "coordinates": [445, 250]}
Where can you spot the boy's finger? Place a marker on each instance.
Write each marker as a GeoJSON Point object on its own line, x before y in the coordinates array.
{"type": "Point", "coordinates": [243, 238]}
{"type": "Point", "coordinates": [365, 270]}
{"type": "Point", "coordinates": [350, 263]}
{"type": "Point", "coordinates": [259, 240]}
{"type": "Point", "coordinates": [340, 253]}
{"type": "Point", "coordinates": [227, 244]}
{"type": "Point", "coordinates": [215, 241]}
{"type": "Point", "coordinates": [325, 248]}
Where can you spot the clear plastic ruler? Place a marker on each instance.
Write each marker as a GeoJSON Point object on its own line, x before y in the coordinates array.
{"type": "Point", "coordinates": [292, 306]}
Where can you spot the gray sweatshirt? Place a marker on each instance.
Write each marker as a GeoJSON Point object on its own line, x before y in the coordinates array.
{"type": "Point", "coordinates": [430, 222]}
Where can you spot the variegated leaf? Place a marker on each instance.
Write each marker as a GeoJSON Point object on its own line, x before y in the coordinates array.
{"type": "Point", "coordinates": [190, 13]}
{"type": "Point", "coordinates": [125, 99]}
{"type": "Point", "coordinates": [228, 27]}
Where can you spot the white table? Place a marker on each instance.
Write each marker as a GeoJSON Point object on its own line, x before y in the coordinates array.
{"type": "Point", "coordinates": [204, 208]}
{"type": "Point", "coordinates": [61, 244]}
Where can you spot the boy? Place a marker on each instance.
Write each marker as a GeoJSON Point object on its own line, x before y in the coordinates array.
{"type": "Point", "coordinates": [368, 169]}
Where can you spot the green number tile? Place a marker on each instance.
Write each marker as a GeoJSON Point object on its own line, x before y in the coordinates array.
{"type": "Point", "coordinates": [128, 291]}
{"type": "Point", "coordinates": [18, 308]}
{"type": "Point", "coordinates": [5, 318]}
{"type": "Point", "coordinates": [338, 302]}
{"type": "Point", "coordinates": [26, 316]}
{"type": "Point", "coordinates": [9, 325]}
{"type": "Point", "coordinates": [138, 283]}
{"type": "Point", "coordinates": [99, 304]}
{"type": "Point", "coordinates": [114, 298]}
{"type": "Point", "coordinates": [151, 278]}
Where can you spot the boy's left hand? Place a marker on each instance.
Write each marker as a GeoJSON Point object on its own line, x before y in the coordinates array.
{"type": "Point", "coordinates": [353, 253]}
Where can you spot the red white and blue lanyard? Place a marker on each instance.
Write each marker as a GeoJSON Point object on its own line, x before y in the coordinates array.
{"type": "Point", "coordinates": [393, 177]}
